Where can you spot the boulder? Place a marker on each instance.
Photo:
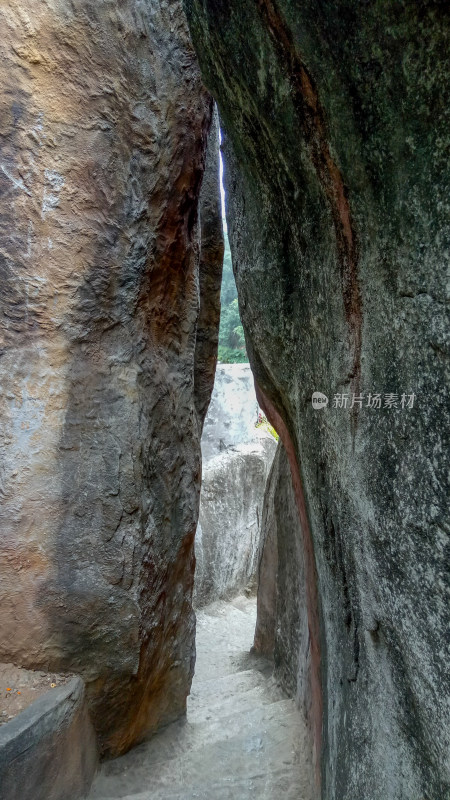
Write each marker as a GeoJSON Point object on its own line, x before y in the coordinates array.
{"type": "Point", "coordinates": [227, 542]}
{"type": "Point", "coordinates": [103, 123]}
{"type": "Point", "coordinates": [233, 411]}
{"type": "Point", "coordinates": [236, 461]}
{"type": "Point", "coordinates": [335, 118]}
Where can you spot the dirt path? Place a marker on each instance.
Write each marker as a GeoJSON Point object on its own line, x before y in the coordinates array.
{"type": "Point", "coordinates": [242, 738]}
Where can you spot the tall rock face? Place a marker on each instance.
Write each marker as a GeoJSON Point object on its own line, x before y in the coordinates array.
{"type": "Point", "coordinates": [210, 274]}
{"type": "Point", "coordinates": [266, 621]}
{"type": "Point", "coordinates": [103, 127]}
{"type": "Point", "coordinates": [336, 120]}
{"type": "Point", "coordinates": [282, 620]}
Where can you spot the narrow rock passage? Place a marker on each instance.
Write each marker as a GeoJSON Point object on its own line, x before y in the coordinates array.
{"type": "Point", "coordinates": [242, 738]}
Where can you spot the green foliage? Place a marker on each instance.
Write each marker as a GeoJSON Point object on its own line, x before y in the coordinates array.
{"type": "Point", "coordinates": [231, 333]}
{"type": "Point", "coordinates": [231, 328]}
{"type": "Point", "coordinates": [228, 291]}
{"type": "Point", "coordinates": [228, 355]}
{"type": "Point", "coordinates": [264, 423]}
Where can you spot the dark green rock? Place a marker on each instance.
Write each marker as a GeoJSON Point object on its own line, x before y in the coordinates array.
{"type": "Point", "coordinates": [335, 117]}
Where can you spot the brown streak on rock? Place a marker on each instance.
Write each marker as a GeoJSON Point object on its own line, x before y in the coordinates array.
{"type": "Point", "coordinates": [154, 694]}
{"type": "Point", "coordinates": [312, 598]}
{"type": "Point", "coordinates": [103, 125]}
{"type": "Point", "coordinates": [172, 276]}
{"type": "Point", "coordinates": [312, 122]}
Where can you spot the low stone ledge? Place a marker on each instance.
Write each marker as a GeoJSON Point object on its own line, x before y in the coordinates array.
{"type": "Point", "coordinates": [49, 752]}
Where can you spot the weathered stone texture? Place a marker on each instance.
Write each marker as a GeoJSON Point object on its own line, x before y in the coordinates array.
{"type": "Point", "coordinates": [336, 123]}
{"type": "Point", "coordinates": [49, 751]}
{"type": "Point", "coordinates": [103, 125]}
{"type": "Point", "coordinates": [227, 541]}
{"type": "Point", "coordinates": [282, 621]}
{"type": "Point", "coordinates": [233, 412]}
{"type": "Point", "coordinates": [266, 620]}
{"type": "Point", "coordinates": [210, 273]}
{"type": "Point", "coordinates": [236, 461]}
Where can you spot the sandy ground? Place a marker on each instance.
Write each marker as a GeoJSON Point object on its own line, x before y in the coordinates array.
{"type": "Point", "coordinates": [242, 738]}
{"type": "Point", "coordinates": [20, 687]}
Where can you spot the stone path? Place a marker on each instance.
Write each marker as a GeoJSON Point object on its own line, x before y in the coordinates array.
{"type": "Point", "coordinates": [242, 738]}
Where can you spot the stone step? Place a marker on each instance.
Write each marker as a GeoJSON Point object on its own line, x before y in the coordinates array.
{"type": "Point", "coordinates": [219, 665]}
{"type": "Point", "coordinates": [267, 747]}
{"type": "Point", "coordinates": [215, 707]}
{"type": "Point", "coordinates": [182, 737]}
{"type": "Point", "coordinates": [229, 627]}
{"type": "Point", "coordinates": [225, 686]}
{"type": "Point", "coordinates": [241, 739]}
{"type": "Point", "coordinates": [282, 784]}
{"type": "Point", "coordinates": [222, 664]}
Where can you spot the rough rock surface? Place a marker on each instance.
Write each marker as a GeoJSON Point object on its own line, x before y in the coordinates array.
{"type": "Point", "coordinates": [49, 751]}
{"type": "Point", "coordinates": [227, 541]}
{"type": "Point", "coordinates": [103, 124]}
{"type": "Point", "coordinates": [210, 274]}
{"type": "Point", "coordinates": [236, 462]}
{"type": "Point", "coordinates": [233, 411]}
{"type": "Point", "coordinates": [336, 122]}
{"type": "Point", "coordinates": [282, 621]}
{"type": "Point", "coordinates": [266, 622]}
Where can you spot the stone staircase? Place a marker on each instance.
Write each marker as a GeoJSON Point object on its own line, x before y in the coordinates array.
{"type": "Point", "coordinates": [242, 738]}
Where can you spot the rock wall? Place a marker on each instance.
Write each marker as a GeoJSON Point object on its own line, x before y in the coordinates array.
{"type": "Point", "coordinates": [335, 117]}
{"type": "Point", "coordinates": [210, 274]}
{"type": "Point", "coordinates": [103, 127]}
{"type": "Point", "coordinates": [236, 462]}
{"type": "Point", "coordinates": [267, 594]}
{"type": "Point", "coordinates": [282, 620]}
